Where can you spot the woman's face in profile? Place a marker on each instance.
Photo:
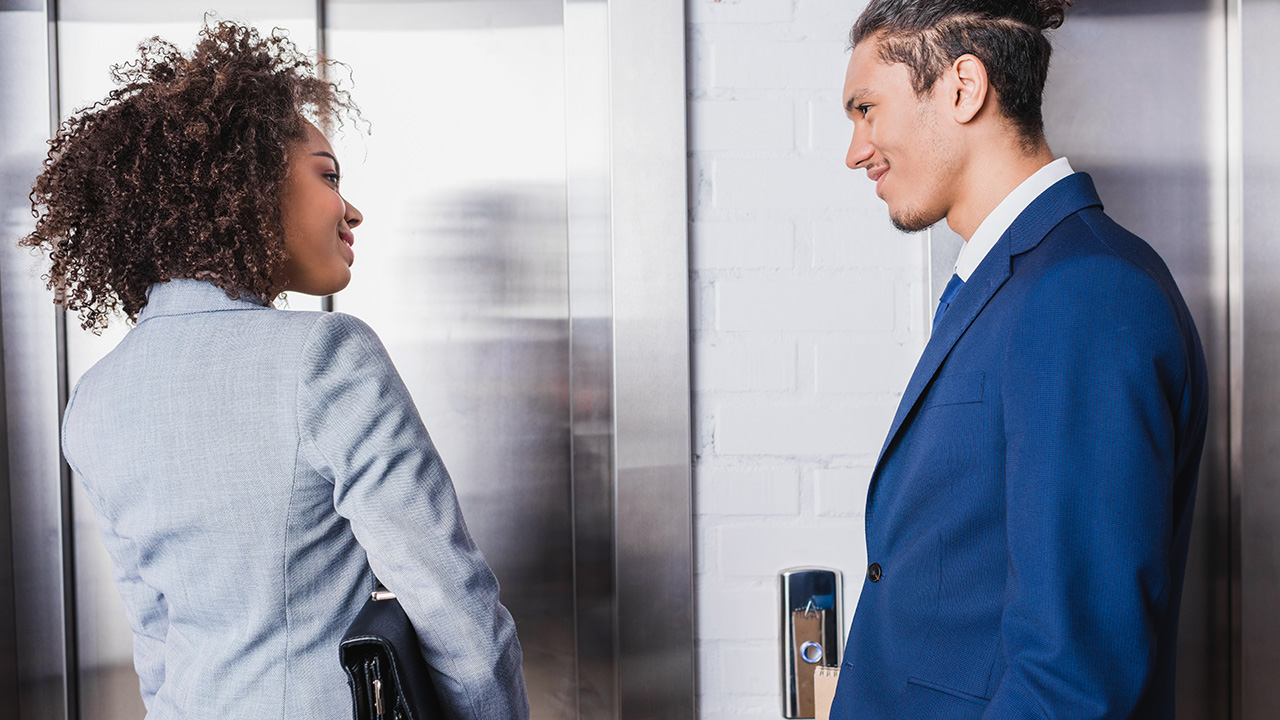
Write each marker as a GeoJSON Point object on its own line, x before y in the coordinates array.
{"type": "Point", "coordinates": [317, 221]}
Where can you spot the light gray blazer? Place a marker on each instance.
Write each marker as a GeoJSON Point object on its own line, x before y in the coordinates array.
{"type": "Point", "coordinates": [252, 469]}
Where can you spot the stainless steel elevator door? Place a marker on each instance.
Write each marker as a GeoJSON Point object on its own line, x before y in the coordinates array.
{"type": "Point", "coordinates": [461, 267]}
{"type": "Point", "coordinates": [1137, 98]}
{"type": "Point", "coordinates": [504, 230]}
{"type": "Point", "coordinates": [1256, 349]}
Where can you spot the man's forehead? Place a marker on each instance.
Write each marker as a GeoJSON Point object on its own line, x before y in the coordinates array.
{"type": "Point", "coordinates": [858, 78]}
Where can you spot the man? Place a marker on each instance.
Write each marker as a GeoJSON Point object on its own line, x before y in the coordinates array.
{"type": "Point", "coordinates": [1028, 518]}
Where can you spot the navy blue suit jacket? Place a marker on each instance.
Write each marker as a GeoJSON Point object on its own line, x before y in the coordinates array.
{"type": "Point", "coordinates": [1031, 507]}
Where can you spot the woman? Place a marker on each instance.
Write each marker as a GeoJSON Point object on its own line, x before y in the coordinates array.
{"type": "Point", "coordinates": [252, 469]}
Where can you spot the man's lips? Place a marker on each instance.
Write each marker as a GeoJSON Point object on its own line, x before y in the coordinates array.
{"type": "Point", "coordinates": [875, 175]}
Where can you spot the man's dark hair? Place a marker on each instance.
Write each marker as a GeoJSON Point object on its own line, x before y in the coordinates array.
{"type": "Point", "coordinates": [1006, 35]}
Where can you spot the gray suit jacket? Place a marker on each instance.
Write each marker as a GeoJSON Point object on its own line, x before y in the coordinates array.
{"type": "Point", "coordinates": [252, 470]}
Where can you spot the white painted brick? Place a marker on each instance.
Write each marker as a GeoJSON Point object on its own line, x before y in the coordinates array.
{"type": "Point", "coordinates": [701, 199]}
{"type": "Point", "coordinates": [841, 492]}
{"type": "Point", "coordinates": [824, 305]}
{"type": "Point", "coordinates": [842, 366]}
{"type": "Point", "coordinates": [845, 429]}
{"type": "Point", "coordinates": [829, 129]}
{"type": "Point", "coordinates": [784, 183]}
{"type": "Point", "coordinates": [807, 307]}
{"type": "Point", "coordinates": [739, 11]}
{"type": "Point", "coordinates": [839, 15]}
{"type": "Point", "coordinates": [765, 491]}
{"type": "Point", "coordinates": [706, 562]}
{"type": "Point", "coordinates": [704, 432]}
{"type": "Point", "coordinates": [750, 550]}
{"type": "Point", "coordinates": [870, 241]}
{"type": "Point", "coordinates": [698, 58]}
{"type": "Point", "coordinates": [778, 65]}
{"type": "Point", "coordinates": [717, 125]}
{"type": "Point", "coordinates": [702, 305]}
{"type": "Point", "coordinates": [742, 245]}
{"type": "Point", "coordinates": [759, 710]}
{"type": "Point", "coordinates": [738, 614]}
{"type": "Point", "coordinates": [744, 365]}
{"type": "Point", "coordinates": [750, 669]}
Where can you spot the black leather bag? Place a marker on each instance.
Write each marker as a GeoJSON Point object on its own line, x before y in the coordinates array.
{"type": "Point", "coordinates": [388, 677]}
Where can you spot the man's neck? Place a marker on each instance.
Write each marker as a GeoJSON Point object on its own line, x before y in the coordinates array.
{"type": "Point", "coordinates": [988, 181]}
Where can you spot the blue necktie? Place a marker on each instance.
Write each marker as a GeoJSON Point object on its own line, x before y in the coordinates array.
{"type": "Point", "coordinates": [948, 294]}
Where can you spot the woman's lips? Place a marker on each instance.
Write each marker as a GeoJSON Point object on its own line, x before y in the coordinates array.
{"type": "Point", "coordinates": [348, 240]}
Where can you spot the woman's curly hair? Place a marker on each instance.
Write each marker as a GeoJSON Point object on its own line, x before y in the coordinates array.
{"type": "Point", "coordinates": [178, 172]}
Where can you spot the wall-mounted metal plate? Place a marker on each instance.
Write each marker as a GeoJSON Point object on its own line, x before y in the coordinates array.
{"type": "Point", "coordinates": [812, 632]}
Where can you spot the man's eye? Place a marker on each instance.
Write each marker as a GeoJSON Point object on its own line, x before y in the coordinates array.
{"type": "Point", "coordinates": [863, 109]}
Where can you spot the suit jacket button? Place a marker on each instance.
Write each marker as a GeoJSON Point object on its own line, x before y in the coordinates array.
{"type": "Point", "coordinates": [874, 572]}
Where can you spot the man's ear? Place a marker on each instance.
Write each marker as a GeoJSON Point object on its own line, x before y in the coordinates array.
{"type": "Point", "coordinates": [967, 77]}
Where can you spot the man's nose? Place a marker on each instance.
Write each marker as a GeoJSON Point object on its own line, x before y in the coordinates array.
{"type": "Point", "coordinates": [860, 150]}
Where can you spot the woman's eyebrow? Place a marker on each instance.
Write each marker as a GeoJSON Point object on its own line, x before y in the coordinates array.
{"type": "Point", "coordinates": [337, 168]}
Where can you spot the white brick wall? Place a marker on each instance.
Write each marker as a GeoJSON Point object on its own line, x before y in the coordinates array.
{"type": "Point", "coordinates": [808, 318]}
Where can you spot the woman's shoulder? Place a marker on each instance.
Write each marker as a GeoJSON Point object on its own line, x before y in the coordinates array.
{"type": "Point", "coordinates": [337, 329]}
{"type": "Point", "coordinates": [335, 338]}
{"type": "Point", "coordinates": [300, 328]}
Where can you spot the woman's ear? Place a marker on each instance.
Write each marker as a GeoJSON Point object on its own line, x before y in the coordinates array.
{"type": "Point", "coordinates": [968, 79]}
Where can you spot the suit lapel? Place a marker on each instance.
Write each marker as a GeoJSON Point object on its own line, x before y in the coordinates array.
{"type": "Point", "coordinates": [982, 285]}
{"type": "Point", "coordinates": [1068, 196]}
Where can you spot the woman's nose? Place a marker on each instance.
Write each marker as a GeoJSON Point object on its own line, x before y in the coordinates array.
{"type": "Point", "coordinates": [354, 216]}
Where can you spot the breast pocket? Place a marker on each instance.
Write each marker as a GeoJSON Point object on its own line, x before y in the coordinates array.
{"type": "Point", "coordinates": [955, 389]}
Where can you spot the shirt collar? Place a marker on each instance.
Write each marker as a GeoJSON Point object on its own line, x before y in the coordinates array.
{"type": "Point", "coordinates": [183, 296]}
{"type": "Point", "coordinates": [999, 220]}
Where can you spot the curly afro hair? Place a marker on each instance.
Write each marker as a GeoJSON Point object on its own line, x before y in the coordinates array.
{"type": "Point", "coordinates": [178, 172]}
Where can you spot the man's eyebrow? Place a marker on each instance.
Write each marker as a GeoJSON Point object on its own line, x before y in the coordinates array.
{"type": "Point", "coordinates": [337, 168]}
{"type": "Point", "coordinates": [854, 98]}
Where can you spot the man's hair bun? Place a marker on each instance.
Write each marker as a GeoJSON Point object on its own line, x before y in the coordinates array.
{"type": "Point", "coordinates": [1051, 13]}
{"type": "Point", "coordinates": [1039, 14]}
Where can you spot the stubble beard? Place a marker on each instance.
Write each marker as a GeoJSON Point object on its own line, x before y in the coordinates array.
{"type": "Point", "coordinates": [913, 222]}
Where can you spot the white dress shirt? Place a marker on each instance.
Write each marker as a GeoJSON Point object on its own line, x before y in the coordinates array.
{"type": "Point", "coordinates": [999, 220]}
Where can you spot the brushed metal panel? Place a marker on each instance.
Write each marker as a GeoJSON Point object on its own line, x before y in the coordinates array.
{"type": "Point", "coordinates": [1235, 331]}
{"type": "Point", "coordinates": [461, 267]}
{"type": "Point", "coordinates": [30, 373]}
{"type": "Point", "coordinates": [586, 30]}
{"type": "Point", "coordinates": [651, 360]}
{"type": "Point", "coordinates": [8, 620]}
{"type": "Point", "coordinates": [1137, 97]}
{"type": "Point", "coordinates": [1259, 434]}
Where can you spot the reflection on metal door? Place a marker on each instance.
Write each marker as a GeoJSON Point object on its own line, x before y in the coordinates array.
{"type": "Point", "coordinates": [1160, 165]}
{"type": "Point", "coordinates": [463, 270]}
{"type": "Point", "coordinates": [491, 190]}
